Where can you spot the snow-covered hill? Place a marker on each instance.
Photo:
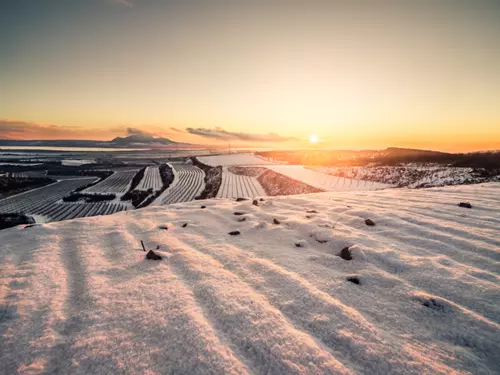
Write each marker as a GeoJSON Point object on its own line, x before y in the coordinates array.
{"type": "Point", "coordinates": [415, 175]}
{"type": "Point", "coordinates": [421, 294]}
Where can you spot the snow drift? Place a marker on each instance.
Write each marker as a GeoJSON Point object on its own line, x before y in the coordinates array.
{"type": "Point", "coordinates": [420, 294]}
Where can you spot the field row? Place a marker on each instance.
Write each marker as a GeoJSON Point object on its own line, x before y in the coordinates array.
{"type": "Point", "coordinates": [35, 200]}
{"type": "Point", "coordinates": [68, 211]}
{"type": "Point", "coordinates": [234, 186]}
{"type": "Point", "coordinates": [117, 183]}
{"type": "Point", "coordinates": [188, 183]}
{"type": "Point", "coordinates": [151, 179]}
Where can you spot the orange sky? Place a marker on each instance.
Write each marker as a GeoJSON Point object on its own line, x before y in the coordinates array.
{"type": "Point", "coordinates": [409, 74]}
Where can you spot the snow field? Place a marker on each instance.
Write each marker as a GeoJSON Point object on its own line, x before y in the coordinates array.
{"type": "Point", "coordinates": [117, 183]}
{"type": "Point", "coordinates": [78, 297]}
{"type": "Point", "coordinates": [188, 183]}
{"type": "Point", "coordinates": [151, 180]}
{"type": "Point", "coordinates": [233, 159]}
{"type": "Point", "coordinates": [68, 211]}
{"type": "Point", "coordinates": [234, 186]}
{"type": "Point", "coordinates": [410, 175]}
{"type": "Point", "coordinates": [44, 202]}
{"type": "Point", "coordinates": [325, 181]}
{"type": "Point", "coordinates": [40, 200]}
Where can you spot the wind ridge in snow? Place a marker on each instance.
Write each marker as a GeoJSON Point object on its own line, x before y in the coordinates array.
{"type": "Point", "coordinates": [79, 297]}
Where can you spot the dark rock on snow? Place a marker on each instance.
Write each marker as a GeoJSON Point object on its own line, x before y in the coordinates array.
{"type": "Point", "coordinates": [203, 207]}
{"type": "Point", "coordinates": [465, 205]}
{"type": "Point", "coordinates": [276, 222]}
{"type": "Point", "coordinates": [239, 213]}
{"type": "Point", "coordinates": [345, 253]}
{"type": "Point", "coordinates": [151, 255]}
{"type": "Point", "coordinates": [434, 304]}
{"type": "Point", "coordinates": [311, 212]}
{"type": "Point", "coordinates": [261, 199]}
{"type": "Point", "coordinates": [241, 199]}
{"type": "Point", "coordinates": [184, 225]}
{"type": "Point", "coordinates": [353, 279]}
{"type": "Point", "coordinates": [164, 227]}
{"type": "Point", "coordinates": [234, 233]}
{"type": "Point", "coordinates": [240, 219]}
{"type": "Point", "coordinates": [255, 202]}
{"type": "Point", "coordinates": [370, 222]}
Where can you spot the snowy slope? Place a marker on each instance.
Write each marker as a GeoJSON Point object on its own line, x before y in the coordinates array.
{"type": "Point", "coordinates": [235, 185]}
{"type": "Point", "coordinates": [413, 175]}
{"type": "Point", "coordinates": [77, 297]}
{"type": "Point", "coordinates": [151, 179]}
{"type": "Point", "coordinates": [325, 181]}
{"type": "Point", "coordinates": [233, 159]}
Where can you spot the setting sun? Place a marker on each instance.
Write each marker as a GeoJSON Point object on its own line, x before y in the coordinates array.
{"type": "Point", "coordinates": [313, 138]}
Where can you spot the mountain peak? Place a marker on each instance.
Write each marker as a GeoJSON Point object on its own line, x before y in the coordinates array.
{"type": "Point", "coordinates": [140, 138]}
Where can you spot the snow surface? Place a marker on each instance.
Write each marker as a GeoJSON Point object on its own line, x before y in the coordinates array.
{"type": "Point", "coordinates": [234, 186]}
{"type": "Point", "coordinates": [233, 159]}
{"type": "Point", "coordinates": [151, 179]}
{"type": "Point", "coordinates": [325, 181]}
{"type": "Point", "coordinates": [118, 183]}
{"type": "Point", "coordinates": [189, 181]}
{"type": "Point", "coordinates": [78, 297]}
{"type": "Point", "coordinates": [77, 162]}
{"type": "Point", "coordinates": [411, 175]}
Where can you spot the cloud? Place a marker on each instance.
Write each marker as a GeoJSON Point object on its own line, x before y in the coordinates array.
{"type": "Point", "coordinates": [177, 130]}
{"type": "Point", "coordinates": [218, 133]}
{"type": "Point", "coordinates": [12, 129]}
{"type": "Point", "coordinates": [136, 131]}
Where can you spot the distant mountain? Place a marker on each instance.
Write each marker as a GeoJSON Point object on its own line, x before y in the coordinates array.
{"type": "Point", "coordinates": [141, 139]}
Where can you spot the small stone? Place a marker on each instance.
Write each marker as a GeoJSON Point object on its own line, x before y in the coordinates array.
{"type": "Point", "coordinates": [465, 205]}
{"type": "Point", "coordinates": [240, 219]}
{"type": "Point", "coordinates": [203, 207]}
{"type": "Point", "coordinates": [276, 222]}
{"type": "Point", "coordinates": [157, 247]}
{"type": "Point", "coordinates": [353, 279]}
{"type": "Point", "coordinates": [370, 222]}
{"type": "Point", "coordinates": [239, 213]}
{"type": "Point", "coordinates": [261, 199]}
{"type": "Point", "coordinates": [255, 202]}
{"type": "Point", "coordinates": [241, 199]}
{"type": "Point", "coordinates": [345, 253]}
{"type": "Point", "coordinates": [234, 233]}
{"type": "Point", "coordinates": [184, 225]}
{"type": "Point", "coordinates": [301, 243]}
{"type": "Point", "coordinates": [164, 227]}
{"type": "Point", "coordinates": [311, 212]}
{"type": "Point", "coordinates": [308, 216]}
{"type": "Point", "coordinates": [152, 255]}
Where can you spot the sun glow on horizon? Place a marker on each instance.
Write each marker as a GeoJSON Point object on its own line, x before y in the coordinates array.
{"type": "Point", "coordinates": [313, 138]}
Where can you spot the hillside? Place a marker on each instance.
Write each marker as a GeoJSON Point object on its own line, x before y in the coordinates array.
{"type": "Point", "coordinates": [421, 294]}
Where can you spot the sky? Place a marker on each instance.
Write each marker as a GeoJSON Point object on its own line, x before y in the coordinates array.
{"type": "Point", "coordinates": [358, 74]}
